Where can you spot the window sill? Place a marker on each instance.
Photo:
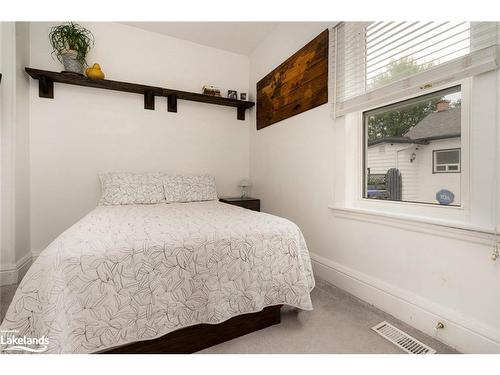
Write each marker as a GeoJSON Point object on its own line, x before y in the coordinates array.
{"type": "Point", "coordinates": [428, 206]}
{"type": "Point", "coordinates": [444, 228]}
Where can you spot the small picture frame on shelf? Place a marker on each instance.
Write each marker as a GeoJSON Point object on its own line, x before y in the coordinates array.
{"type": "Point", "coordinates": [232, 94]}
{"type": "Point", "coordinates": [243, 96]}
{"type": "Point", "coordinates": [210, 90]}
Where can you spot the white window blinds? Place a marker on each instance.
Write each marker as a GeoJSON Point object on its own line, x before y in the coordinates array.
{"type": "Point", "coordinates": [379, 61]}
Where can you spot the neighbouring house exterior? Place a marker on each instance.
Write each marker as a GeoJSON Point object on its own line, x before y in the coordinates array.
{"type": "Point", "coordinates": [428, 157]}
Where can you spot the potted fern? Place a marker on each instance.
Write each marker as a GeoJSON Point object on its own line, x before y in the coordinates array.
{"type": "Point", "coordinates": [71, 43]}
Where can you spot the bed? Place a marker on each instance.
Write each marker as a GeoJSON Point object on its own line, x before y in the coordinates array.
{"type": "Point", "coordinates": [126, 278]}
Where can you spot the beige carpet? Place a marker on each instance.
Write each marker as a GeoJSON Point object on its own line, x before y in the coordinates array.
{"type": "Point", "coordinates": [339, 323]}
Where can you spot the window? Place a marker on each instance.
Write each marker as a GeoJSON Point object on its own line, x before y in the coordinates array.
{"type": "Point", "coordinates": [446, 161]}
{"type": "Point", "coordinates": [412, 149]}
{"type": "Point", "coordinates": [396, 50]}
{"type": "Point", "coordinates": [377, 62]}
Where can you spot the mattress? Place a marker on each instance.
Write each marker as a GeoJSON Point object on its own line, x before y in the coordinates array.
{"type": "Point", "coordinates": [131, 273]}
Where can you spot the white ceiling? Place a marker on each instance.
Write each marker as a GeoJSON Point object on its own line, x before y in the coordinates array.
{"type": "Point", "coordinates": [239, 37]}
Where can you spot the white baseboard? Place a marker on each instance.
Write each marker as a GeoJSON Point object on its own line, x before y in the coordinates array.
{"type": "Point", "coordinates": [13, 273]}
{"type": "Point", "coordinates": [460, 332]}
{"type": "Point", "coordinates": [8, 276]}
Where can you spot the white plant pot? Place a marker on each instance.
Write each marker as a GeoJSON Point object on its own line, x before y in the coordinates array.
{"type": "Point", "coordinates": [71, 64]}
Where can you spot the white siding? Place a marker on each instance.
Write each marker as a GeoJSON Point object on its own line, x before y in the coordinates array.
{"type": "Point", "coordinates": [409, 173]}
{"type": "Point", "coordinates": [419, 183]}
{"type": "Point", "coordinates": [430, 183]}
{"type": "Point", "coordinates": [382, 157]}
{"type": "Point", "coordinates": [385, 156]}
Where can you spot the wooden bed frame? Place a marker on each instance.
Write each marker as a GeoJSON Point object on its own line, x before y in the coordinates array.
{"type": "Point", "coordinates": [201, 336]}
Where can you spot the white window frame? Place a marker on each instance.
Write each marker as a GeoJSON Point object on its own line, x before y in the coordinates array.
{"type": "Point", "coordinates": [354, 189]}
{"type": "Point", "coordinates": [447, 165]}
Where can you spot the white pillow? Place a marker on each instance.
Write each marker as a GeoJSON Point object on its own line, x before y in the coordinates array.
{"type": "Point", "coordinates": [131, 188]}
{"type": "Point", "coordinates": [189, 188]}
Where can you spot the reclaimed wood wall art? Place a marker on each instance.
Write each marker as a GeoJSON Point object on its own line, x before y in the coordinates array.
{"type": "Point", "coordinates": [297, 85]}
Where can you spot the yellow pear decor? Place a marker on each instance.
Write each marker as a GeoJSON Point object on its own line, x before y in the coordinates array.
{"type": "Point", "coordinates": [95, 72]}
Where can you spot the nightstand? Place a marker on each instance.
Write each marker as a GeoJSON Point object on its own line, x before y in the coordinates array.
{"type": "Point", "coordinates": [245, 202]}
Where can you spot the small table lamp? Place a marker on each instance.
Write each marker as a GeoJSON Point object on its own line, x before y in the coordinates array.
{"type": "Point", "coordinates": [243, 185]}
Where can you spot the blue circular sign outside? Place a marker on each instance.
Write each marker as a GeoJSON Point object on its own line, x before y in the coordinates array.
{"type": "Point", "coordinates": [445, 197]}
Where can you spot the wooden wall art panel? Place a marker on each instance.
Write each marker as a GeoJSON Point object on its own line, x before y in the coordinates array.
{"type": "Point", "coordinates": [297, 85]}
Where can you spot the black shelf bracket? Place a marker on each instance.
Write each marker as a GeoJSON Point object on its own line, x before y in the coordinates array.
{"type": "Point", "coordinates": [172, 103]}
{"type": "Point", "coordinates": [241, 113]}
{"type": "Point", "coordinates": [45, 87]}
{"type": "Point", "coordinates": [149, 100]}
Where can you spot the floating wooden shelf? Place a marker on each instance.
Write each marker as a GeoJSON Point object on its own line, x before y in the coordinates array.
{"type": "Point", "coordinates": [47, 78]}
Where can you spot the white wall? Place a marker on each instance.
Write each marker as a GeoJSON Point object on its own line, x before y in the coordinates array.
{"type": "Point", "coordinates": [84, 131]}
{"type": "Point", "coordinates": [15, 249]}
{"type": "Point", "coordinates": [22, 144]}
{"type": "Point", "coordinates": [420, 273]}
{"type": "Point", "coordinates": [7, 88]}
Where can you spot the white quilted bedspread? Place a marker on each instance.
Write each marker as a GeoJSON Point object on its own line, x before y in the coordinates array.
{"type": "Point", "coordinates": [131, 273]}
